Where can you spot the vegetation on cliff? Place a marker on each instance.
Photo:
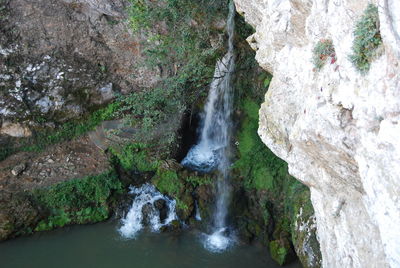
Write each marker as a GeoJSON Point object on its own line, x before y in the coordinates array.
{"type": "Point", "coordinates": [367, 39]}
{"type": "Point", "coordinates": [322, 51]}
{"type": "Point", "coordinates": [184, 40]}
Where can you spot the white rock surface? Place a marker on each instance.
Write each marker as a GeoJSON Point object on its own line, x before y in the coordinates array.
{"type": "Point", "coordinates": [15, 130]}
{"type": "Point", "coordinates": [338, 130]}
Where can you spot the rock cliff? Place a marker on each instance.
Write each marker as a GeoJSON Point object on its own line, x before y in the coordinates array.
{"type": "Point", "coordinates": [337, 128]}
{"type": "Point", "coordinates": [60, 60]}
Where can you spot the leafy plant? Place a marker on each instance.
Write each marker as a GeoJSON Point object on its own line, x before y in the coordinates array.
{"type": "Point", "coordinates": [77, 201]}
{"type": "Point", "coordinates": [367, 38]}
{"type": "Point", "coordinates": [198, 181]}
{"type": "Point", "coordinates": [323, 50]}
{"type": "Point", "coordinates": [135, 157]}
{"type": "Point", "coordinates": [168, 182]}
{"type": "Point", "coordinates": [177, 43]}
{"type": "Point", "coordinates": [150, 107]}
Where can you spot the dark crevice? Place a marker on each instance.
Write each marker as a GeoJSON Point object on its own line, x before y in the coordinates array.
{"type": "Point", "coordinates": [188, 134]}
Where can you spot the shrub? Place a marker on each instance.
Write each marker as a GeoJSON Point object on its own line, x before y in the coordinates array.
{"type": "Point", "coordinates": [322, 51]}
{"type": "Point", "coordinates": [168, 182]}
{"type": "Point", "coordinates": [367, 38]}
{"type": "Point", "coordinates": [77, 201]}
{"type": "Point", "coordinates": [135, 156]}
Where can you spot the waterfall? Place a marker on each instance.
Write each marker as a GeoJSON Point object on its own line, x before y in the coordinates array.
{"type": "Point", "coordinates": [212, 152]}
{"type": "Point", "coordinates": [147, 206]}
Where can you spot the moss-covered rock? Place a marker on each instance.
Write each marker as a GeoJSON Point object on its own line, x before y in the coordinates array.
{"type": "Point", "coordinates": [273, 198]}
{"type": "Point", "coordinates": [281, 251]}
{"type": "Point", "coordinates": [78, 201]}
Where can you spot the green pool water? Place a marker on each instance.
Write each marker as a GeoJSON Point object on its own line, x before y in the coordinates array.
{"type": "Point", "coordinates": [100, 245]}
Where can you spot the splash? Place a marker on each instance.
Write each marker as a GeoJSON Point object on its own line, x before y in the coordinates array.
{"type": "Point", "coordinates": [144, 211]}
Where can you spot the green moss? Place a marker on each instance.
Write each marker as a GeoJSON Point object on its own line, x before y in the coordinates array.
{"type": "Point", "coordinates": [168, 182]}
{"type": "Point", "coordinates": [77, 201]}
{"type": "Point", "coordinates": [279, 253]}
{"type": "Point", "coordinates": [256, 164]}
{"type": "Point", "coordinates": [274, 196]}
{"type": "Point", "coordinates": [323, 50]}
{"type": "Point", "coordinates": [303, 214]}
{"type": "Point", "coordinates": [367, 38]}
{"type": "Point", "coordinates": [135, 156]}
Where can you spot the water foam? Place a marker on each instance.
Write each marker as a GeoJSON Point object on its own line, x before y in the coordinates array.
{"type": "Point", "coordinates": [133, 222]}
{"type": "Point", "coordinates": [218, 241]}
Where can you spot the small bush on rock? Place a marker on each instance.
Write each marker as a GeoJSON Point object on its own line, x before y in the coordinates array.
{"type": "Point", "coordinates": [322, 51]}
{"type": "Point", "coordinates": [367, 38]}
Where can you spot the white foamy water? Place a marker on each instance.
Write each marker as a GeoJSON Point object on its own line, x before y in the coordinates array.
{"type": "Point", "coordinates": [218, 241]}
{"type": "Point", "coordinates": [197, 215]}
{"type": "Point", "coordinates": [146, 195]}
{"type": "Point", "coordinates": [213, 149]}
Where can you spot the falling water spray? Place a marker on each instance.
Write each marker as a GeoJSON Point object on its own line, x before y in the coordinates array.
{"type": "Point", "coordinates": [213, 150]}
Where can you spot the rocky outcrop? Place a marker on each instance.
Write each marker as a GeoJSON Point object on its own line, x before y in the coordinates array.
{"type": "Point", "coordinates": [62, 59]}
{"type": "Point", "coordinates": [23, 173]}
{"type": "Point", "coordinates": [338, 129]}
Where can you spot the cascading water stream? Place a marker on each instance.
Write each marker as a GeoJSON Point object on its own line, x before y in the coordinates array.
{"type": "Point", "coordinates": [145, 198]}
{"type": "Point", "coordinates": [213, 149]}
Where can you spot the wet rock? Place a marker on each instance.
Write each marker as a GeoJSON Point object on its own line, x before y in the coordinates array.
{"type": "Point", "coordinates": [147, 211]}
{"type": "Point", "coordinates": [281, 251]}
{"type": "Point", "coordinates": [17, 170]}
{"type": "Point", "coordinates": [17, 215]}
{"type": "Point", "coordinates": [161, 206]}
{"type": "Point", "coordinates": [171, 164]}
{"type": "Point", "coordinates": [174, 226]}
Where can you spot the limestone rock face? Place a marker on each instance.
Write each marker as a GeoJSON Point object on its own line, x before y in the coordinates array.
{"type": "Point", "coordinates": [338, 130]}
